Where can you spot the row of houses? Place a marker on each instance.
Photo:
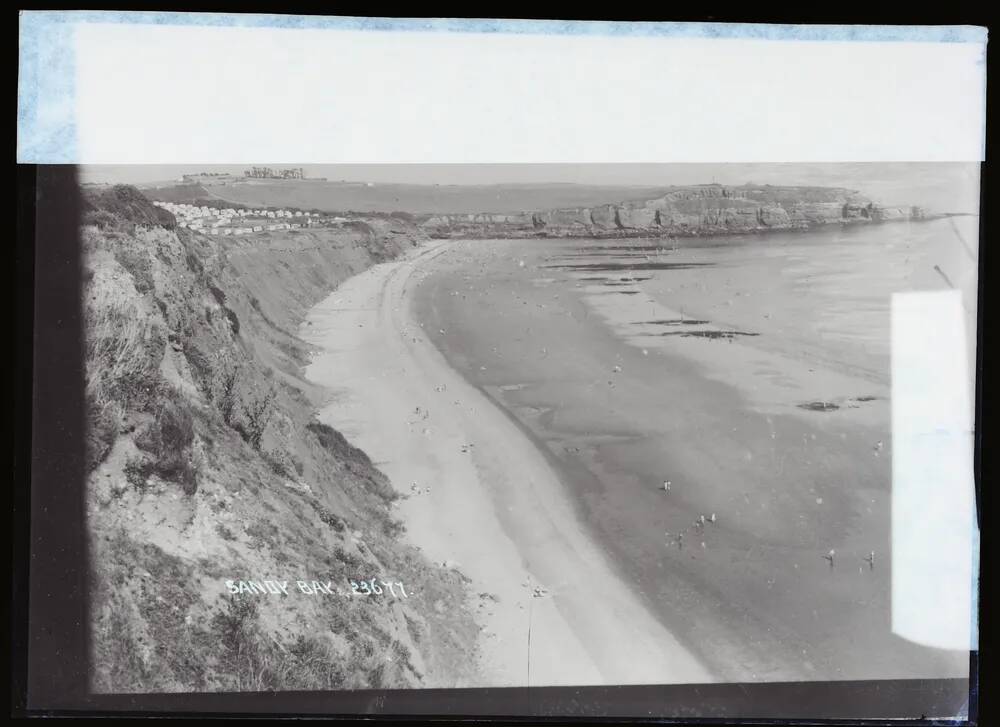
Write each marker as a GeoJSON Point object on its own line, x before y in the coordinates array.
{"type": "Point", "coordinates": [249, 230]}
{"type": "Point", "coordinates": [191, 212]}
{"type": "Point", "coordinates": [232, 221]}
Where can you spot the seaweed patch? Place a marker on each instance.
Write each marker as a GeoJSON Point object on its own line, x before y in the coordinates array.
{"type": "Point", "coordinates": [819, 406]}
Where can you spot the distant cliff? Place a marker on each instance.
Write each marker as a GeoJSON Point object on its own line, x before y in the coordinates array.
{"type": "Point", "coordinates": [710, 209]}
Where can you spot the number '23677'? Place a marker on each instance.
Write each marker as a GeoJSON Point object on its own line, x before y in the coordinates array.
{"type": "Point", "coordinates": [372, 587]}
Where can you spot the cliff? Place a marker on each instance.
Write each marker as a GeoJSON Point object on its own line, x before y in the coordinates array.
{"type": "Point", "coordinates": [683, 211]}
{"type": "Point", "coordinates": [207, 465]}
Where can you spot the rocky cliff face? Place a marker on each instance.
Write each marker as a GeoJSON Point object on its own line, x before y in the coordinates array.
{"type": "Point", "coordinates": [207, 465]}
{"type": "Point", "coordinates": [684, 211]}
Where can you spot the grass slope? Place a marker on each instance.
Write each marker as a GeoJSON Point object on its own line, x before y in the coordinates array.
{"type": "Point", "coordinates": [206, 465]}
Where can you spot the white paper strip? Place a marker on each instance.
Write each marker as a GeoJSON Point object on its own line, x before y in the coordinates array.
{"type": "Point", "coordinates": [934, 535]}
{"type": "Point", "coordinates": [160, 91]}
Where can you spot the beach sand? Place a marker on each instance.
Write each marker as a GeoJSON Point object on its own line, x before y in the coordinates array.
{"type": "Point", "coordinates": [533, 409]}
{"type": "Point", "coordinates": [482, 497]}
{"type": "Point", "coordinates": [730, 422]}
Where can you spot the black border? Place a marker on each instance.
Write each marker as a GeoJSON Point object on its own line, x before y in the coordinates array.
{"type": "Point", "coordinates": [48, 375]}
{"type": "Point", "coordinates": [56, 548]}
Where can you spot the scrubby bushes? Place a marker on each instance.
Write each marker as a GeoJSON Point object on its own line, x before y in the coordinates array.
{"type": "Point", "coordinates": [244, 404]}
{"type": "Point", "coordinates": [283, 464]}
{"type": "Point", "coordinates": [138, 265]}
{"type": "Point", "coordinates": [217, 293]}
{"type": "Point", "coordinates": [194, 264]}
{"type": "Point", "coordinates": [349, 559]}
{"type": "Point", "coordinates": [335, 443]}
{"type": "Point", "coordinates": [137, 471]}
{"type": "Point", "coordinates": [258, 406]}
{"type": "Point", "coordinates": [124, 207]}
{"type": "Point", "coordinates": [101, 219]}
{"type": "Point", "coordinates": [252, 660]}
{"type": "Point", "coordinates": [122, 354]}
{"type": "Point", "coordinates": [168, 440]}
{"type": "Point", "coordinates": [225, 376]}
{"type": "Point", "coordinates": [201, 365]}
{"type": "Point", "coordinates": [220, 298]}
{"type": "Point", "coordinates": [124, 346]}
{"type": "Point", "coordinates": [244, 656]}
{"type": "Point", "coordinates": [329, 518]}
{"type": "Point", "coordinates": [317, 666]}
{"type": "Point", "coordinates": [104, 421]}
{"type": "Point", "coordinates": [355, 459]}
{"type": "Point", "coordinates": [124, 339]}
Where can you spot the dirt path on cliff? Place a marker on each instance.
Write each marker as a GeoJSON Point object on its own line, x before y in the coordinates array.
{"type": "Point", "coordinates": [481, 497]}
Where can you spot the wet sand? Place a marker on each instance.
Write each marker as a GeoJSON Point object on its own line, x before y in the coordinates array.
{"type": "Point", "coordinates": [483, 496]}
{"type": "Point", "coordinates": [780, 437]}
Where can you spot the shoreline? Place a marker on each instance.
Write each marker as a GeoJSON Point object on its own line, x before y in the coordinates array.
{"type": "Point", "coordinates": [565, 359]}
{"type": "Point", "coordinates": [481, 498]}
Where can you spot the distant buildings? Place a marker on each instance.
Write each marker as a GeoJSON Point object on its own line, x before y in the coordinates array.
{"type": "Point", "coordinates": [269, 173]}
{"type": "Point", "coordinates": [231, 221]}
{"type": "Point", "coordinates": [210, 178]}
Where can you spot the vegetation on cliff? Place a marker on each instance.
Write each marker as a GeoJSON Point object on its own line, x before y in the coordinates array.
{"type": "Point", "coordinates": [207, 465]}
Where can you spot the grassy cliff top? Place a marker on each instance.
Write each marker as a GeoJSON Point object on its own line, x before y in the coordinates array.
{"type": "Point", "coordinates": [123, 204]}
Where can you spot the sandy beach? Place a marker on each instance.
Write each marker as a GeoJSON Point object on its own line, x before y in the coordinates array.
{"type": "Point", "coordinates": [533, 398]}
{"type": "Point", "coordinates": [631, 366]}
{"type": "Point", "coordinates": [482, 497]}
